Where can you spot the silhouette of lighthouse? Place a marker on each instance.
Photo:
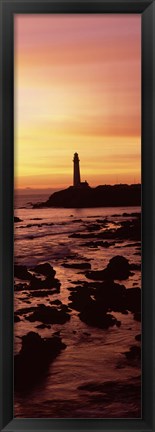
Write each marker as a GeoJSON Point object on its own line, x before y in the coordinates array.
{"type": "Point", "coordinates": [76, 170]}
{"type": "Point", "coordinates": [76, 173]}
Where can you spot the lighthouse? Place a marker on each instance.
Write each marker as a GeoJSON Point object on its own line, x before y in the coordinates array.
{"type": "Point", "coordinates": [76, 173]}
{"type": "Point", "coordinates": [76, 170]}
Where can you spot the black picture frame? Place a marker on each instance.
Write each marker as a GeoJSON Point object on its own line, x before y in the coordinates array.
{"type": "Point", "coordinates": [7, 10]}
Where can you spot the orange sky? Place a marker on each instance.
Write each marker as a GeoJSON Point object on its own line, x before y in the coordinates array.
{"type": "Point", "coordinates": [77, 88]}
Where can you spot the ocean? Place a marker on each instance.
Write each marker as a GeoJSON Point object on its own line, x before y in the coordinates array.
{"type": "Point", "coordinates": [92, 377]}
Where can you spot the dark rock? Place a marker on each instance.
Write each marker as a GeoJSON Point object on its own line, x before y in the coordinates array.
{"type": "Point", "coordinates": [93, 227]}
{"type": "Point", "coordinates": [92, 316]}
{"type": "Point", "coordinates": [130, 230]}
{"type": "Point", "coordinates": [132, 245]}
{"type": "Point", "coordinates": [108, 296]}
{"type": "Point", "coordinates": [20, 272]}
{"type": "Point", "coordinates": [135, 214]}
{"type": "Point", "coordinates": [98, 275]}
{"type": "Point", "coordinates": [92, 217]}
{"type": "Point", "coordinates": [26, 310]}
{"type": "Point", "coordinates": [38, 225]}
{"type": "Point", "coordinates": [102, 221]}
{"type": "Point", "coordinates": [99, 243]}
{"type": "Point", "coordinates": [70, 256]}
{"type": "Point", "coordinates": [44, 269]}
{"type": "Point", "coordinates": [16, 318]}
{"type": "Point", "coordinates": [20, 287]}
{"type": "Point", "coordinates": [36, 218]}
{"type": "Point", "coordinates": [17, 219]}
{"type": "Point", "coordinates": [48, 282]}
{"type": "Point", "coordinates": [94, 299]}
{"type": "Point", "coordinates": [56, 302]}
{"type": "Point", "coordinates": [135, 266]}
{"type": "Point", "coordinates": [76, 220]}
{"type": "Point", "coordinates": [133, 299]}
{"type": "Point", "coordinates": [43, 293]}
{"type": "Point", "coordinates": [79, 299]}
{"type": "Point", "coordinates": [50, 315]}
{"type": "Point", "coordinates": [134, 353]}
{"type": "Point", "coordinates": [118, 268]}
{"type": "Point", "coordinates": [78, 282]}
{"type": "Point", "coordinates": [32, 363]}
{"type": "Point", "coordinates": [112, 296]}
{"type": "Point", "coordinates": [138, 337]}
{"type": "Point", "coordinates": [137, 316]}
{"type": "Point", "coordinates": [82, 236]}
{"type": "Point", "coordinates": [43, 326]}
{"type": "Point", "coordinates": [57, 333]}
{"type": "Point", "coordinates": [100, 196]}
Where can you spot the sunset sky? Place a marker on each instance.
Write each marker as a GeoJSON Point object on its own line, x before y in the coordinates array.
{"type": "Point", "coordinates": [77, 89]}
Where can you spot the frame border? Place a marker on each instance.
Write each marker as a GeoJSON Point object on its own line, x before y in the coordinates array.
{"type": "Point", "coordinates": [7, 10]}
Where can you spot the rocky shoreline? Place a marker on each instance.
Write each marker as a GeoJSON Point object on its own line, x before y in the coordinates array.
{"type": "Point", "coordinates": [99, 297]}
{"type": "Point", "coordinates": [100, 196]}
{"type": "Point", "coordinates": [94, 301]}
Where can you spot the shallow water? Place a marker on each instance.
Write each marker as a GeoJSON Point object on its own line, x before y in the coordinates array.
{"type": "Point", "coordinates": [92, 355]}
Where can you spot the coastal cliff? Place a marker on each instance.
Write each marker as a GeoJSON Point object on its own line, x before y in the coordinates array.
{"type": "Point", "coordinates": [100, 196]}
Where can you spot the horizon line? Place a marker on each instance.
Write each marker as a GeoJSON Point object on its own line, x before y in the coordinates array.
{"type": "Point", "coordinates": [92, 187]}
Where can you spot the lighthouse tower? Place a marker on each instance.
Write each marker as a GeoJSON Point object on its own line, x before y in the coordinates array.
{"type": "Point", "coordinates": [76, 171]}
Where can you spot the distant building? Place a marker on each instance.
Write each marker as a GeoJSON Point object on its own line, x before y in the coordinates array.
{"type": "Point", "coordinates": [76, 173]}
